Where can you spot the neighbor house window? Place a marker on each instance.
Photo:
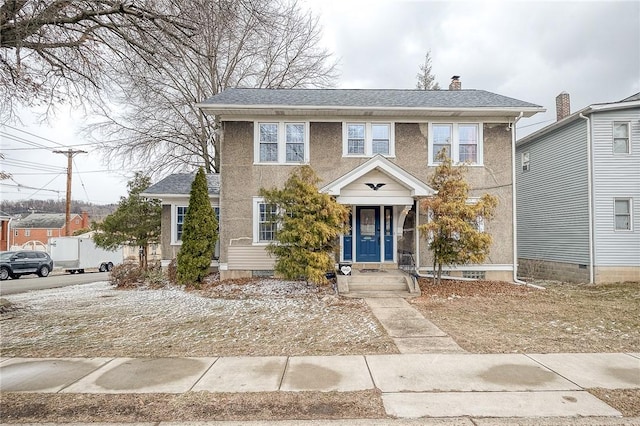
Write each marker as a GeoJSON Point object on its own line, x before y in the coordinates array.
{"type": "Point", "coordinates": [462, 142]}
{"type": "Point", "coordinates": [49, 232]}
{"type": "Point", "coordinates": [525, 161]}
{"type": "Point", "coordinates": [368, 139]}
{"type": "Point", "coordinates": [621, 138]}
{"type": "Point", "coordinates": [27, 232]}
{"type": "Point", "coordinates": [282, 143]}
{"type": "Point", "coordinates": [622, 214]}
{"type": "Point", "coordinates": [265, 221]}
{"type": "Point", "coordinates": [181, 213]}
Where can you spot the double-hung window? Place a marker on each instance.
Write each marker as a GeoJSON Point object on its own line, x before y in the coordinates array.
{"type": "Point", "coordinates": [622, 214]}
{"type": "Point", "coordinates": [621, 138]}
{"type": "Point", "coordinates": [368, 139]}
{"type": "Point", "coordinates": [281, 143]}
{"type": "Point", "coordinates": [181, 213]}
{"type": "Point", "coordinates": [462, 142]}
{"type": "Point", "coordinates": [265, 221]}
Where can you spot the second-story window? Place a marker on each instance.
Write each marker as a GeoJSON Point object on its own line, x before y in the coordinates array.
{"type": "Point", "coordinates": [368, 139]}
{"type": "Point", "coordinates": [281, 143]}
{"type": "Point", "coordinates": [621, 138]}
{"type": "Point", "coordinates": [462, 142]}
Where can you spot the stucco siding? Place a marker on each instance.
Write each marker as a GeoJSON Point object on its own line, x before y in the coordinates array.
{"type": "Point", "coordinates": [241, 179]}
{"type": "Point", "coordinates": [552, 197]}
{"type": "Point", "coordinates": [615, 176]}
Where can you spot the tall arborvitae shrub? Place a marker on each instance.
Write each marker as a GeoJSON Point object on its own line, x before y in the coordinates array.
{"type": "Point", "coordinates": [199, 235]}
{"type": "Point", "coordinates": [309, 224]}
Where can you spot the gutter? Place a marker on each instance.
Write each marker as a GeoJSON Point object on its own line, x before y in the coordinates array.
{"type": "Point", "coordinates": [590, 198]}
{"type": "Point", "coordinates": [513, 202]}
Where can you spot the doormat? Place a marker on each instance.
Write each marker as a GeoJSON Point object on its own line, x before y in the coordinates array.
{"type": "Point", "coordinates": [364, 271]}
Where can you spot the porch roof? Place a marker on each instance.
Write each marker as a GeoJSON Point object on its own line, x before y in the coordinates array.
{"type": "Point", "coordinates": [415, 187]}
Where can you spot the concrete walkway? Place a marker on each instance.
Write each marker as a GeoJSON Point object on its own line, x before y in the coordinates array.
{"type": "Point", "coordinates": [410, 330]}
{"type": "Point", "coordinates": [412, 385]}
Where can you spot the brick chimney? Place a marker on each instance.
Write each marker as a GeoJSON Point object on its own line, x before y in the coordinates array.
{"type": "Point", "coordinates": [455, 84]}
{"type": "Point", "coordinates": [563, 106]}
{"type": "Point", "coordinates": [85, 219]}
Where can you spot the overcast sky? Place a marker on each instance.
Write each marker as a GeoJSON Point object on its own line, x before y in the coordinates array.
{"type": "Point", "coordinates": [531, 51]}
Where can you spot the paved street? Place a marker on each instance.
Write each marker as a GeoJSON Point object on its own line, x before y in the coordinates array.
{"type": "Point", "coordinates": [55, 280]}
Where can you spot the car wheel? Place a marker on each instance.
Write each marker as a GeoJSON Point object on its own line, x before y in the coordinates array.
{"type": "Point", "coordinates": [4, 273]}
{"type": "Point", "coordinates": [103, 267]}
{"type": "Point", "coordinates": [109, 266]}
{"type": "Point", "coordinates": [43, 271]}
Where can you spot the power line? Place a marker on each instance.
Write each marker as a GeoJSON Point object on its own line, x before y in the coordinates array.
{"type": "Point", "coordinates": [34, 135]}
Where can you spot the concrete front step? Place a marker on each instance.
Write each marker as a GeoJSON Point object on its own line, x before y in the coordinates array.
{"type": "Point", "coordinates": [365, 281]}
{"type": "Point", "coordinates": [397, 286]}
{"type": "Point", "coordinates": [379, 294]}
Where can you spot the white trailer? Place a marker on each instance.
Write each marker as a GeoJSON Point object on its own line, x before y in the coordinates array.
{"type": "Point", "coordinates": [75, 254]}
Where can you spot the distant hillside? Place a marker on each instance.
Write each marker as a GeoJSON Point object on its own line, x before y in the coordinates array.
{"type": "Point", "coordinates": [23, 207]}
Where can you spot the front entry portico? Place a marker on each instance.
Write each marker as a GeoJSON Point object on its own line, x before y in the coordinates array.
{"type": "Point", "coordinates": [380, 194]}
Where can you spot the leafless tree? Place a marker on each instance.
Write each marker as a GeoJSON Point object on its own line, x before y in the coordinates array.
{"type": "Point", "coordinates": [426, 79]}
{"type": "Point", "coordinates": [56, 50]}
{"type": "Point", "coordinates": [152, 121]}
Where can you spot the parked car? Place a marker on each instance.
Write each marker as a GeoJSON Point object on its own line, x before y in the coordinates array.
{"type": "Point", "coordinates": [17, 263]}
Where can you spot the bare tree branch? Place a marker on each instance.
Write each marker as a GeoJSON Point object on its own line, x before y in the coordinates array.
{"type": "Point", "coordinates": [149, 119]}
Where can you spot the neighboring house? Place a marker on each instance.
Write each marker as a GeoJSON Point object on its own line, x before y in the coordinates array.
{"type": "Point", "coordinates": [5, 221]}
{"type": "Point", "coordinates": [374, 151]}
{"type": "Point", "coordinates": [578, 186]}
{"type": "Point", "coordinates": [173, 193]}
{"type": "Point", "coordinates": [42, 226]}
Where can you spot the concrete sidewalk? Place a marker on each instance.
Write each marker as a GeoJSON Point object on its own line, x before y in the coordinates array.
{"type": "Point", "coordinates": [412, 385]}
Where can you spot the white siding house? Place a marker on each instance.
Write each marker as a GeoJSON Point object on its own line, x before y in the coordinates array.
{"type": "Point", "coordinates": [578, 195]}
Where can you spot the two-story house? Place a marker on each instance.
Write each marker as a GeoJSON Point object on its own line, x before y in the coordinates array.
{"type": "Point", "coordinates": [374, 151]}
{"type": "Point", "coordinates": [42, 226]}
{"type": "Point", "coordinates": [578, 186]}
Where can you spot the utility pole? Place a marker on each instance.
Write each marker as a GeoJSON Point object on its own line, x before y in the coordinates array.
{"type": "Point", "coordinates": [69, 153]}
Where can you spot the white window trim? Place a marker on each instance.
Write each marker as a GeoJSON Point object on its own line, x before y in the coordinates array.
{"type": "Point", "coordinates": [282, 143]}
{"type": "Point", "coordinates": [525, 161]}
{"type": "Point", "coordinates": [630, 201]}
{"type": "Point", "coordinates": [174, 222]}
{"type": "Point", "coordinates": [256, 222]}
{"type": "Point", "coordinates": [368, 139]}
{"type": "Point", "coordinates": [455, 146]}
{"type": "Point", "coordinates": [628, 124]}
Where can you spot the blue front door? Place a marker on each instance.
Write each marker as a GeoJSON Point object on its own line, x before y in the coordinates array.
{"type": "Point", "coordinates": [367, 234]}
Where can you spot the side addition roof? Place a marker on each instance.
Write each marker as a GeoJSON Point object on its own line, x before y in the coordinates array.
{"type": "Point", "coordinates": [469, 102]}
{"type": "Point", "coordinates": [179, 184]}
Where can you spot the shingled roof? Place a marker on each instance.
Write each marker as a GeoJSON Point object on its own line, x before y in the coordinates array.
{"type": "Point", "coordinates": [365, 98]}
{"type": "Point", "coordinates": [180, 184]}
{"type": "Point", "coordinates": [236, 101]}
{"type": "Point", "coordinates": [42, 220]}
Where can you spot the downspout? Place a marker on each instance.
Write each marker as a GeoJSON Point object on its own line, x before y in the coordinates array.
{"type": "Point", "coordinates": [590, 198]}
{"type": "Point", "coordinates": [513, 201]}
